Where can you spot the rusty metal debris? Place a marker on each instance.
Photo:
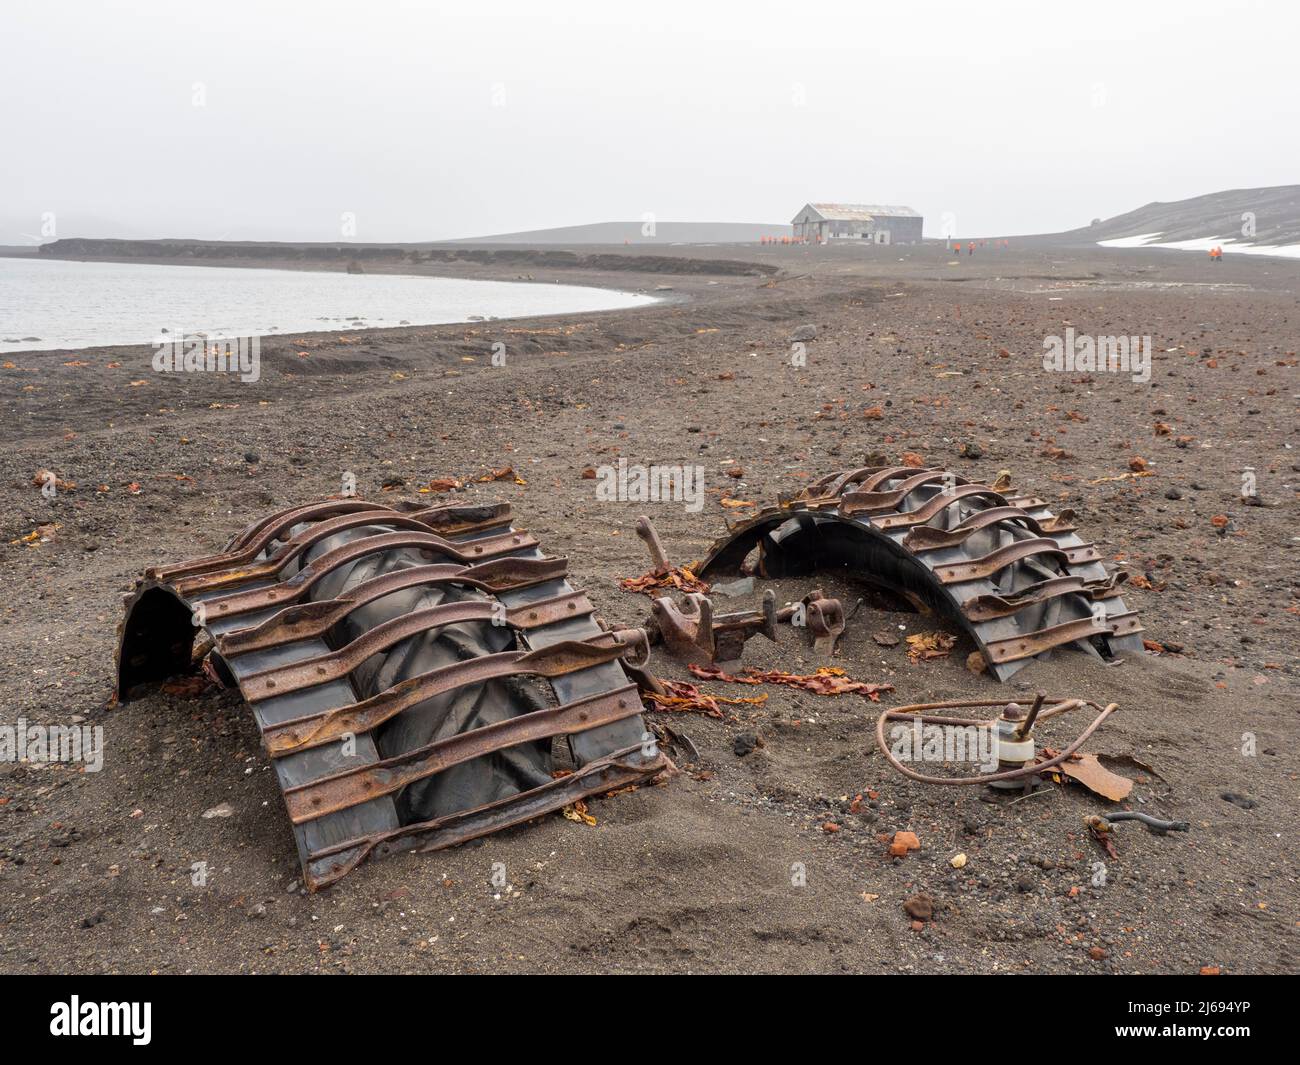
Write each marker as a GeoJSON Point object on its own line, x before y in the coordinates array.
{"type": "Point", "coordinates": [1157, 825]}
{"type": "Point", "coordinates": [821, 617]}
{"type": "Point", "coordinates": [695, 634]}
{"type": "Point", "coordinates": [1019, 762]}
{"type": "Point", "coordinates": [1018, 578]}
{"type": "Point", "coordinates": [408, 668]}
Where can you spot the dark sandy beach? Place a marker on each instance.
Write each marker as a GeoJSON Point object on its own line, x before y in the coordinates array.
{"type": "Point", "coordinates": [694, 875]}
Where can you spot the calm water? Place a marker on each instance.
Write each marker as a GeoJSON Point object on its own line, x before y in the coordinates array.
{"type": "Point", "coordinates": [78, 305]}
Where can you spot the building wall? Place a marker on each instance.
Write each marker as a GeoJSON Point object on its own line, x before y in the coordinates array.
{"type": "Point", "coordinates": [902, 230]}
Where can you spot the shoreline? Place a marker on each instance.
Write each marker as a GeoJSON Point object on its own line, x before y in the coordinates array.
{"type": "Point", "coordinates": [610, 284]}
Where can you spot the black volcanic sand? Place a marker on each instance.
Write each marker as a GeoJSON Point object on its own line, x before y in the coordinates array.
{"type": "Point", "coordinates": [696, 875]}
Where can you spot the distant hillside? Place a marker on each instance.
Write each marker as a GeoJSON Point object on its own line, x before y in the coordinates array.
{"type": "Point", "coordinates": [1201, 220]}
{"type": "Point", "coordinates": [631, 233]}
{"type": "Point", "coordinates": [358, 256]}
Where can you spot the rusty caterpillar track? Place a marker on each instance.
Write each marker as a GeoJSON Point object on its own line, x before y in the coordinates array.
{"type": "Point", "coordinates": [408, 669]}
{"type": "Point", "coordinates": [1019, 579]}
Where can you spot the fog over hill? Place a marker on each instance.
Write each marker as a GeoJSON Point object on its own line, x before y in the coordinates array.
{"type": "Point", "coordinates": [1222, 216]}
{"type": "Point", "coordinates": [641, 233]}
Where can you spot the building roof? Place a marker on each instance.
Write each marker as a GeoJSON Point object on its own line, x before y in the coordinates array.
{"type": "Point", "coordinates": [857, 212]}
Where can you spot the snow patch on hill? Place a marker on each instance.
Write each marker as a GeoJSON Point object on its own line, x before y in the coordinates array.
{"type": "Point", "coordinates": [1203, 244]}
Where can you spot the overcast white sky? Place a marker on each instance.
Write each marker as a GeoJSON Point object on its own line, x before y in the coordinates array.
{"type": "Point", "coordinates": [269, 120]}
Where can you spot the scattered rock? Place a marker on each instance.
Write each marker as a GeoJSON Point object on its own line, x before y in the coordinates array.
{"type": "Point", "coordinates": [746, 743]}
{"type": "Point", "coordinates": [904, 842]}
{"type": "Point", "coordinates": [734, 589]}
{"type": "Point", "coordinates": [1238, 800]}
{"type": "Point", "coordinates": [224, 810]}
{"type": "Point", "coordinates": [971, 450]}
{"type": "Point", "coordinates": [804, 332]}
{"type": "Point", "coordinates": [957, 861]}
{"type": "Point", "coordinates": [919, 907]}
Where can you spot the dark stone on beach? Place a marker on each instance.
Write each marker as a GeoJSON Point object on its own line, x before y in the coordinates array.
{"type": "Point", "coordinates": [804, 332]}
{"type": "Point", "coordinates": [919, 907]}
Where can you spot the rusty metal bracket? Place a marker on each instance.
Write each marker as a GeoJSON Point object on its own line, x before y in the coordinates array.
{"type": "Point", "coordinates": [650, 537]}
{"type": "Point", "coordinates": [696, 635]}
{"type": "Point", "coordinates": [822, 618]}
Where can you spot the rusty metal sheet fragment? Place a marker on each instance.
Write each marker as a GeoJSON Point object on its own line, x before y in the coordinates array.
{"type": "Point", "coordinates": [1088, 771]}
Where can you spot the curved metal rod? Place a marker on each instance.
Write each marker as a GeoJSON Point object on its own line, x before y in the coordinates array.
{"type": "Point", "coordinates": [914, 712]}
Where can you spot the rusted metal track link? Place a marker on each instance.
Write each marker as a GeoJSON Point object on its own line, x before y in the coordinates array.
{"type": "Point", "coordinates": [348, 626]}
{"type": "Point", "coordinates": [1016, 576]}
